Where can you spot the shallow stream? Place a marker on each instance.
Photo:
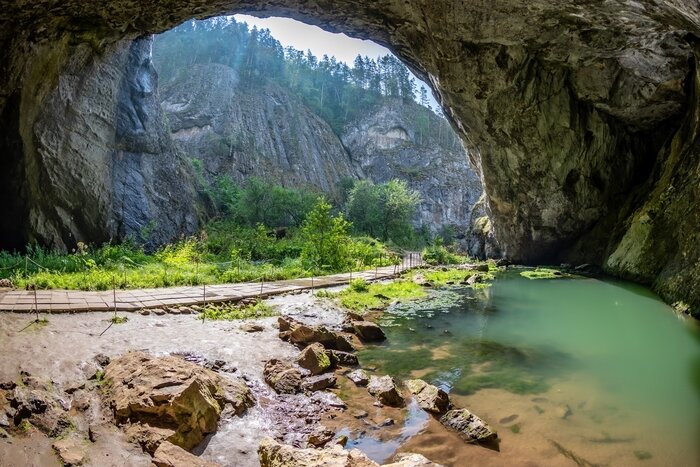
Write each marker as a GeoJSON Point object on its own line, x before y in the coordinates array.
{"type": "Point", "coordinates": [568, 371]}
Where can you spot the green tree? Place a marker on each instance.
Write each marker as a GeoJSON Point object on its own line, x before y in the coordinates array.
{"type": "Point", "coordinates": [326, 239]}
{"type": "Point", "coordinates": [383, 211]}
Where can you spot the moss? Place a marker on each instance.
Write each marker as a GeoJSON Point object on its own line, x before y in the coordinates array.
{"type": "Point", "coordinates": [515, 428]}
{"type": "Point", "coordinates": [455, 276]}
{"type": "Point", "coordinates": [544, 273]}
{"type": "Point", "coordinates": [25, 426]}
{"type": "Point", "coordinates": [323, 361]}
{"type": "Point", "coordinates": [230, 312]}
{"type": "Point", "coordinates": [119, 319]}
{"type": "Point", "coordinates": [642, 455]}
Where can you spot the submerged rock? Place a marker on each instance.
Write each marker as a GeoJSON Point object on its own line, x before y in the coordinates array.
{"type": "Point", "coordinates": [359, 377]}
{"type": "Point", "coordinates": [470, 427]}
{"type": "Point", "coordinates": [429, 397]}
{"type": "Point", "coordinates": [314, 359]}
{"type": "Point", "coordinates": [282, 376]}
{"type": "Point", "coordinates": [169, 392]}
{"type": "Point", "coordinates": [368, 331]}
{"type": "Point", "coordinates": [385, 390]}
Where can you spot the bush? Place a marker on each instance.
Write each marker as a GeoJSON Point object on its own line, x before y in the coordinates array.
{"type": "Point", "coordinates": [437, 254]}
{"type": "Point", "coordinates": [359, 285]}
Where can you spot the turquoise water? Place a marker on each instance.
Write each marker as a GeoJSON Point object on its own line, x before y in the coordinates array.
{"type": "Point", "coordinates": [624, 363]}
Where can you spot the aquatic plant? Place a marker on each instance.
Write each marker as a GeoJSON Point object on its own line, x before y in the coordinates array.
{"type": "Point", "coordinates": [544, 273]}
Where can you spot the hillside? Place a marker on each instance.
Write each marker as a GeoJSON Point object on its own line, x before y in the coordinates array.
{"type": "Point", "coordinates": [245, 108]}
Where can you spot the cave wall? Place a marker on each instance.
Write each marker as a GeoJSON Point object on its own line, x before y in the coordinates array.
{"type": "Point", "coordinates": [578, 113]}
{"type": "Point", "coordinates": [97, 163]}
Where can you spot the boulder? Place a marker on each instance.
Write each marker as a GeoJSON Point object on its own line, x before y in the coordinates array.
{"type": "Point", "coordinates": [282, 376]}
{"type": "Point", "coordinates": [430, 398]}
{"type": "Point", "coordinates": [304, 335]}
{"type": "Point", "coordinates": [314, 359]}
{"type": "Point", "coordinates": [471, 428]}
{"type": "Point", "coordinates": [172, 393]}
{"type": "Point", "coordinates": [170, 455]}
{"type": "Point", "coordinates": [340, 358]}
{"type": "Point", "coordinates": [273, 454]}
{"type": "Point", "coordinates": [384, 389]}
{"type": "Point", "coordinates": [368, 331]}
{"type": "Point", "coordinates": [359, 377]}
{"type": "Point", "coordinates": [286, 323]}
{"type": "Point", "coordinates": [318, 383]}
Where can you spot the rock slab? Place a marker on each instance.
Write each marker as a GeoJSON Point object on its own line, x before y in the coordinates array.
{"type": "Point", "coordinates": [170, 392]}
{"type": "Point", "coordinates": [430, 398]}
{"type": "Point", "coordinates": [471, 428]}
{"type": "Point", "coordinates": [385, 390]}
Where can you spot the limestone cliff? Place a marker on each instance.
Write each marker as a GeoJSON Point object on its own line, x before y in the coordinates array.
{"type": "Point", "coordinates": [403, 140]}
{"type": "Point", "coordinates": [245, 130]}
{"type": "Point", "coordinates": [95, 161]}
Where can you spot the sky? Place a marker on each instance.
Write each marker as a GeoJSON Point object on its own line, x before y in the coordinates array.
{"type": "Point", "coordinates": [304, 37]}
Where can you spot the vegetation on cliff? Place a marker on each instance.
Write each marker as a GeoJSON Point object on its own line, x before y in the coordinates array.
{"type": "Point", "coordinates": [333, 90]}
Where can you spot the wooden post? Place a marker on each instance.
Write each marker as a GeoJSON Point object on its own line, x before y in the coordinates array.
{"type": "Point", "coordinates": [114, 294]}
{"type": "Point", "coordinates": [36, 303]}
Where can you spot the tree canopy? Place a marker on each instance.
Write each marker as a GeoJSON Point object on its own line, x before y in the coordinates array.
{"type": "Point", "coordinates": [334, 90]}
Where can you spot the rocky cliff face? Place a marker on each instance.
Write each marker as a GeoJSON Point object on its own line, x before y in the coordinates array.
{"type": "Point", "coordinates": [402, 140]}
{"type": "Point", "coordinates": [247, 130]}
{"type": "Point", "coordinates": [580, 114]}
{"type": "Point", "coordinates": [244, 129]}
{"type": "Point", "coordinates": [97, 161]}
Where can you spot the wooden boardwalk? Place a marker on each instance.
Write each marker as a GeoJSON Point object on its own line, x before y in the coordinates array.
{"type": "Point", "coordinates": [73, 301]}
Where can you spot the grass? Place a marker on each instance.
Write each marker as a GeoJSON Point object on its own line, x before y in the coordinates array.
{"type": "Point", "coordinates": [119, 319]}
{"type": "Point", "coordinates": [451, 276]}
{"type": "Point", "coordinates": [544, 273]}
{"type": "Point", "coordinates": [361, 296]}
{"type": "Point", "coordinates": [223, 253]}
{"type": "Point", "coordinates": [230, 312]}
